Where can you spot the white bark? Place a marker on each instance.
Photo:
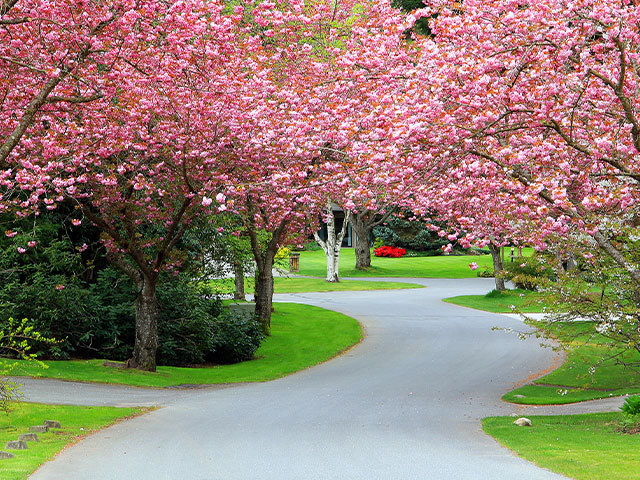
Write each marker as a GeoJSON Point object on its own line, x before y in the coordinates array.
{"type": "Point", "coordinates": [333, 244]}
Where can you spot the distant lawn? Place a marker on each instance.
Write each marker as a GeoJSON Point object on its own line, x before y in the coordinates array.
{"type": "Point", "coordinates": [584, 447]}
{"type": "Point", "coordinates": [76, 422]}
{"type": "Point", "coordinates": [303, 285]}
{"type": "Point", "coordinates": [302, 336]}
{"type": "Point", "coordinates": [313, 263]}
{"type": "Point", "coordinates": [576, 380]}
{"type": "Point", "coordinates": [524, 301]}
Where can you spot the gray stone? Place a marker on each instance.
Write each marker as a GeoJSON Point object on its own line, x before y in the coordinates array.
{"type": "Point", "coordinates": [39, 429]}
{"type": "Point", "coordinates": [16, 445]}
{"type": "Point", "coordinates": [29, 437]}
{"type": "Point", "coordinates": [523, 422]}
{"type": "Point", "coordinates": [5, 455]}
{"type": "Point", "coordinates": [52, 424]}
{"type": "Point", "coordinates": [520, 396]}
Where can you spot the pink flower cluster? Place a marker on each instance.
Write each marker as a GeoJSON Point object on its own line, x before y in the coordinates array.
{"type": "Point", "coordinates": [386, 251]}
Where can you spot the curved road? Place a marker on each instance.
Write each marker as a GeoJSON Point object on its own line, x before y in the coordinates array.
{"type": "Point", "coordinates": [404, 404]}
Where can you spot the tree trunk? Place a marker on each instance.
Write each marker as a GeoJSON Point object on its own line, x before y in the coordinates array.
{"type": "Point", "coordinates": [146, 343]}
{"type": "Point", "coordinates": [333, 244]}
{"type": "Point", "coordinates": [264, 290]}
{"type": "Point", "coordinates": [238, 273]}
{"type": "Point", "coordinates": [498, 267]}
{"type": "Point", "coordinates": [361, 230]}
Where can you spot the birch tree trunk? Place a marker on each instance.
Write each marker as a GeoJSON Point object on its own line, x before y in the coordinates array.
{"type": "Point", "coordinates": [333, 244]}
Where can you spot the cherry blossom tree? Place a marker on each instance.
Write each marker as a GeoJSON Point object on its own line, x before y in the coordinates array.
{"type": "Point", "coordinates": [138, 160]}
{"type": "Point", "coordinates": [298, 146]}
{"type": "Point", "coordinates": [536, 104]}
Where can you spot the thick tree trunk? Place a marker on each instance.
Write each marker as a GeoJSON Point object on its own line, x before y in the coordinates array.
{"type": "Point", "coordinates": [146, 343]}
{"type": "Point", "coordinates": [361, 229]}
{"type": "Point", "coordinates": [238, 272]}
{"type": "Point", "coordinates": [264, 290]}
{"type": "Point", "coordinates": [498, 267]}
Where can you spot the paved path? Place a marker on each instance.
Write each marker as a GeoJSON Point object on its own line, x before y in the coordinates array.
{"type": "Point", "coordinates": [404, 404]}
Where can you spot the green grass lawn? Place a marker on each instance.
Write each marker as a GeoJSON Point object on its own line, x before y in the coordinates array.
{"type": "Point", "coordinates": [313, 263]}
{"type": "Point", "coordinates": [301, 336]}
{"type": "Point", "coordinates": [584, 447]}
{"type": "Point", "coordinates": [576, 380]}
{"type": "Point", "coordinates": [76, 422]}
{"type": "Point", "coordinates": [301, 285]}
{"type": "Point", "coordinates": [524, 301]}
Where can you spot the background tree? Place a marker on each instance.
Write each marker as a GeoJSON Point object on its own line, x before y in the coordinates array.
{"type": "Point", "coordinates": [541, 94]}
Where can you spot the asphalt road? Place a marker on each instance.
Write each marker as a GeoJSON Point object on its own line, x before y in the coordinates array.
{"type": "Point", "coordinates": [404, 404]}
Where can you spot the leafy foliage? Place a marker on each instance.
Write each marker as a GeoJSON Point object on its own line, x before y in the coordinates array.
{"type": "Point", "coordinates": [631, 405]}
{"type": "Point", "coordinates": [530, 272]}
{"type": "Point", "coordinates": [410, 233]}
{"type": "Point", "coordinates": [16, 340]}
{"type": "Point", "coordinates": [234, 338]}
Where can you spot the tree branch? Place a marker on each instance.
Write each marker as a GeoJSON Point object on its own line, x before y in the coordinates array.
{"type": "Point", "coordinates": [56, 99]}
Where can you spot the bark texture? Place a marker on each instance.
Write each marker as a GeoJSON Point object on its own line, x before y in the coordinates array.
{"type": "Point", "coordinates": [238, 273]}
{"type": "Point", "coordinates": [146, 344]}
{"type": "Point", "coordinates": [333, 244]}
{"type": "Point", "coordinates": [264, 289]}
{"type": "Point", "coordinates": [498, 267]}
{"type": "Point", "coordinates": [362, 230]}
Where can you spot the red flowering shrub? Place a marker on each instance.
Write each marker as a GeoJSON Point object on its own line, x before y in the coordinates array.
{"type": "Point", "coordinates": [386, 251]}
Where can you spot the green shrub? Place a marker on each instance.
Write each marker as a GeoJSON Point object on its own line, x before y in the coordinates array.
{"type": "Point", "coordinates": [234, 338]}
{"type": "Point", "coordinates": [530, 272]}
{"type": "Point", "coordinates": [408, 232]}
{"type": "Point", "coordinates": [70, 293]}
{"type": "Point", "coordinates": [16, 340]}
{"type": "Point", "coordinates": [485, 272]}
{"type": "Point", "coordinates": [631, 405]}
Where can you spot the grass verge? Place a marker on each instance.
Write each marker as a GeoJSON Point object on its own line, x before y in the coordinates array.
{"type": "Point", "coordinates": [302, 285]}
{"type": "Point", "coordinates": [76, 423]}
{"type": "Point", "coordinates": [584, 447]}
{"type": "Point", "coordinates": [313, 263]}
{"type": "Point", "coordinates": [301, 336]}
{"type": "Point", "coordinates": [524, 301]}
{"type": "Point", "coordinates": [590, 372]}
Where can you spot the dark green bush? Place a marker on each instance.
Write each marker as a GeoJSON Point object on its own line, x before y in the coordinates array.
{"type": "Point", "coordinates": [68, 291]}
{"type": "Point", "coordinates": [234, 338]}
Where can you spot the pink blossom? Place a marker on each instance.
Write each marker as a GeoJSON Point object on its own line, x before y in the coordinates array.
{"type": "Point", "coordinates": [76, 222]}
{"type": "Point", "coordinates": [447, 249]}
{"type": "Point", "coordinates": [32, 243]}
{"type": "Point", "coordinates": [206, 201]}
{"type": "Point", "coordinates": [21, 250]}
{"type": "Point", "coordinates": [220, 198]}
{"type": "Point", "coordinates": [82, 248]}
{"type": "Point", "coordinates": [473, 266]}
{"type": "Point", "coordinates": [59, 287]}
{"type": "Point", "coordinates": [10, 233]}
